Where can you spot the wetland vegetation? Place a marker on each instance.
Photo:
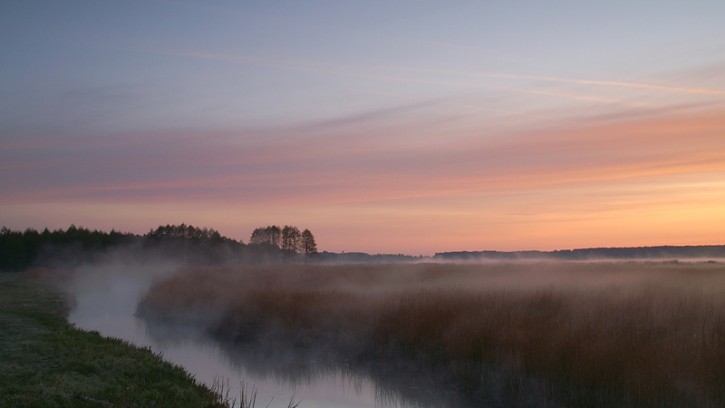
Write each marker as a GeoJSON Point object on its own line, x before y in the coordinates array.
{"type": "Point", "coordinates": [502, 331]}
{"type": "Point", "coordinates": [638, 334]}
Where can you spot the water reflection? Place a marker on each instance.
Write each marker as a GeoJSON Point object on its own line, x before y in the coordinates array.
{"type": "Point", "coordinates": [279, 374]}
{"type": "Point", "coordinates": [317, 376]}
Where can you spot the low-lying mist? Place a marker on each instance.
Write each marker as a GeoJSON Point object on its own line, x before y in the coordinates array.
{"type": "Point", "coordinates": [498, 333]}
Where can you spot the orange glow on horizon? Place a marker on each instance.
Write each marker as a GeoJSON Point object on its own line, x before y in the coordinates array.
{"type": "Point", "coordinates": [650, 181]}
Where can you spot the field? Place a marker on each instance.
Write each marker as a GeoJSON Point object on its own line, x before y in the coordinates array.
{"type": "Point", "coordinates": [45, 362]}
{"type": "Point", "coordinates": [579, 334]}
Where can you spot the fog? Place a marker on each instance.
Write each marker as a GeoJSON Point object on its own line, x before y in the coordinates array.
{"type": "Point", "coordinates": [341, 335]}
{"type": "Point", "coordinates": [105, 293]}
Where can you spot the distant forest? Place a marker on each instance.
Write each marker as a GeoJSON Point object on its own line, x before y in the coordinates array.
{"type": "Point", "coordinates": [20, 250]}
{"type": "Point", "coordinates": [654, 252]}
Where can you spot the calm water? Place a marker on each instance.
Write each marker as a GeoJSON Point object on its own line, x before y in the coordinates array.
{"type": "Point", "coordinates": [106, 304]}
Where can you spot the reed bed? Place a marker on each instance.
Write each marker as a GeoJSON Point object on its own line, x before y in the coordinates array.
{"type": "Point", "coordinates": [584, 333]}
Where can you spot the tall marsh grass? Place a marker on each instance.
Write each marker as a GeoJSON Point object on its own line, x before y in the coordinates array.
{"type": "Point", "coordinates": [581, 334]}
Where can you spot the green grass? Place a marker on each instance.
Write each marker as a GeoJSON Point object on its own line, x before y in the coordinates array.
{"type": "Point", "coordinates": [46, 362]}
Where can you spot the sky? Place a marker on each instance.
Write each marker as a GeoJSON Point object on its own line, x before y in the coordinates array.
{"type": "Point", "coordinates": [382, 126]}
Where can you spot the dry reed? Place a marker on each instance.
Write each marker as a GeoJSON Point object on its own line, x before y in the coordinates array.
{"type": "Point", "coordinates": [630, 334]}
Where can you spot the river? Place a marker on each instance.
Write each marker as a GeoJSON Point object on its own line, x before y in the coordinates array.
{"type": "Point", "coordinates": [105, 302]}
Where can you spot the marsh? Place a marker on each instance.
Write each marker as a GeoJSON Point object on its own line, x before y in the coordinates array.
{"type": "Point", "coordinates": [531, 333]}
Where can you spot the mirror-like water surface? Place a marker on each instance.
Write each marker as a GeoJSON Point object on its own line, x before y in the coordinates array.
{"type": "Point", "coordinates": [278, 376]}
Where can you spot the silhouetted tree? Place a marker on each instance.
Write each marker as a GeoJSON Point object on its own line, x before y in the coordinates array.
{"type": "Point", "coordinates": [21, 250]}
{"type": "Point", "coordinates": [269, 235]}
{"type": "Point", "coordinates": [291, 239]}
{"type": "Point", "coordinates": [308, 242]}
{"type": "Point", "coordinates": [183, 231]}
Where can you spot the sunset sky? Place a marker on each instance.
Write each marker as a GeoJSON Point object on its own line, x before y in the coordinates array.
{"type": "Point", "coordinates": [382, 126]}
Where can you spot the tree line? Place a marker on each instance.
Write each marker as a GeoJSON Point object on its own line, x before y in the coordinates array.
{"type": "Point", "coordinates": [654, 252]}
{"type": "Point", "coordinates": [289, 239]}
{"type": "Point", "coordinates": [20, 250]}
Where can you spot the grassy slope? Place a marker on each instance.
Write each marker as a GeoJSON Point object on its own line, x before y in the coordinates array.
{"type": "Point", "coordinates": [44, 361]}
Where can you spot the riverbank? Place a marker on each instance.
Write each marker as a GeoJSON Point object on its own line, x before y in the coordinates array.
{"type": "Point", "coordinates": [45, 361]}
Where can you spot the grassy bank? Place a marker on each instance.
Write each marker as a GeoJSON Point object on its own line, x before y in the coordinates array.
{"type": "Point", "coordinates": [45, 362]}
{"type": "Point", "coordinates": [573, 334]}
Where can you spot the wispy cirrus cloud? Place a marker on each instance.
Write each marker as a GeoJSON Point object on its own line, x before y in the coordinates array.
{"type": "Point", "coordinates": [604, 83]}
{"type": "Point", "coordinates": [641, 95]}
{"type": "Point", "coordinates": [341, 160]}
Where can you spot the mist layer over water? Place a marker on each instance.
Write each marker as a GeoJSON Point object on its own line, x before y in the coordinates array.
{"type": "Point", "coordinates": [105, 300]}
{"type": "Point", "coordinates": [500, 334]}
